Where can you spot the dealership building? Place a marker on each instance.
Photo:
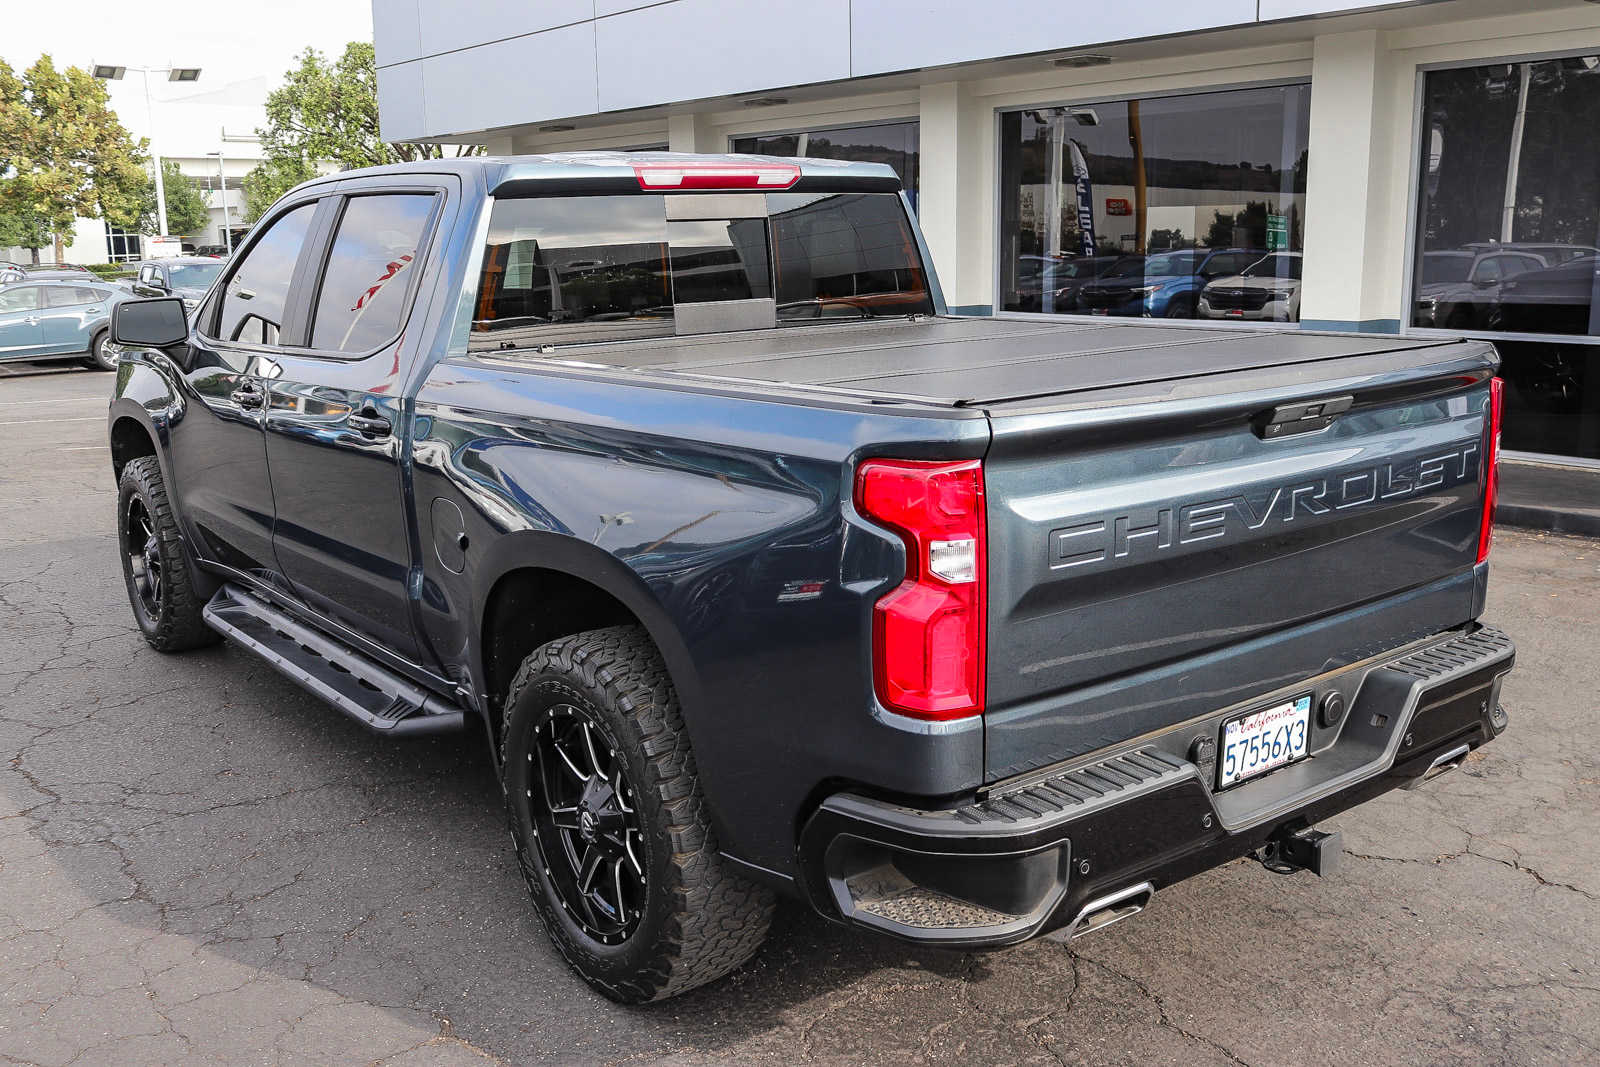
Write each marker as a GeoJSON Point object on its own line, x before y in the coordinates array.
{"type": "Point", "coordinates": [1415, 168]}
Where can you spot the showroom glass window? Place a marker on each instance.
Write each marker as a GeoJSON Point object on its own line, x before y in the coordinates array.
{"type": "Point", "coordinates": [1508, 231]}
{"type": "Point", "coordinates": [896, 143]}
{"type": "Point", "coordinates": [1182, 207]}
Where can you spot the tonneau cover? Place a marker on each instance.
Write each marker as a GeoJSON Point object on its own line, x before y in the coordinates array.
{"type": "Point", "coordinates": [961, 361]}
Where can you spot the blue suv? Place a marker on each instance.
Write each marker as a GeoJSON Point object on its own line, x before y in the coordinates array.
{"type": "Point", "coordinates": [1166, 285]}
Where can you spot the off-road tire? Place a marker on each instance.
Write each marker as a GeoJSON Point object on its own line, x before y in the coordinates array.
{"type": "Point", "coordinates": [97, 358]}
{"type": "Point", "coordinates": [177, 625]}
{"type": "Point", "coordinates": [701, 919]}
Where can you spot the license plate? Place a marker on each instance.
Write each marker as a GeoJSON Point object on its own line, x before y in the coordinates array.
{"type": "Point", "coordinates": [1235, 314]}
{"type": "Point", "coordinates": [1258, 742]}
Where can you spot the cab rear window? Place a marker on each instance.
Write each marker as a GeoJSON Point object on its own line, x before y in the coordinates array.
{"type": "Point", "coordinates": [564, 270]}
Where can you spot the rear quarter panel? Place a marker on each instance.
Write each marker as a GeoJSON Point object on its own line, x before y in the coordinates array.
{"type": "Point", "coordinates": [724, 523]}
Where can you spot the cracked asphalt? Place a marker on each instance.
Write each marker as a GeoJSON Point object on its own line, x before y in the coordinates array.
{"type": "Point", "coordinates": [200, 864]}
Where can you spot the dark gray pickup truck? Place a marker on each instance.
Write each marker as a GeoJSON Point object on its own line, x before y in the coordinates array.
{"type": "Point", "coordinates": [762, 574]}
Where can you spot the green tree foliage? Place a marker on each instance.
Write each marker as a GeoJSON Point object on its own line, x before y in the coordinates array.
{"type": "Point", "coordinates": [327, 111]}
{"type": "Point", "coordinates": [270, 179]}
{"type": "Point", "coordinates": [63, 153]}
{"type": "Point", "coordinates": [19, 229]}
{"type": "Point", "coordinates": [187, 214]}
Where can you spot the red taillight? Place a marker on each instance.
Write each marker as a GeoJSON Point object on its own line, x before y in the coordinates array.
{"type": "Point", "coordinates": [928, 633]}
{"type": "Point", "coordinates": [695, 175]}
{"type": "Point", "coordinates": [1491, 481]}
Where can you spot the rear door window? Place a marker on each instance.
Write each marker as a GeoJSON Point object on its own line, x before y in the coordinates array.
{"type": "Point", "coordinates": [362, 302]}
{"type": "Point", "coordinates": [60, 296]}
{"type": "Point", "coordinates": [563, 270]}
{"type": "Point", "coordinates": [257, 293]}
{"type": "Point", "coordinates": [23, 298]}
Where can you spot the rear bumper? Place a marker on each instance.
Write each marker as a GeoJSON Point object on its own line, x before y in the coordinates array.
{"type": "Point", "coordinates": [1092, 839]}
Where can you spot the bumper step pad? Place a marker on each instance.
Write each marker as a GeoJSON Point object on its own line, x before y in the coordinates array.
{"type": "Point", "coordinates": [372, 695]}
{"type": "Point", "coordinates": [1095, 838]}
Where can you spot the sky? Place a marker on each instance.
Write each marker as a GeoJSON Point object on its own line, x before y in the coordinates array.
{"type": "Point", "coordinates": [242, 50]}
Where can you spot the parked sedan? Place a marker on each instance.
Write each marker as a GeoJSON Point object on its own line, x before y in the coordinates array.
{"type": "Point", "coordinates": [56, 320]}
{"type": "Point", "coordinates": [1268, 290]}
{"type": "Point", "coordinates": [182, 276]}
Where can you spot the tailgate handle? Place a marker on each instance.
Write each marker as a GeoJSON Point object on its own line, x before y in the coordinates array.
{"type": "Point", "coordinates": [1303, 416]}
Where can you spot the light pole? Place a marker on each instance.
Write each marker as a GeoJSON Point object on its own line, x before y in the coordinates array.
{"type": "Point", "coordinates": [222, 182]}
{"type": "Point", "coordinates": [174, 74]}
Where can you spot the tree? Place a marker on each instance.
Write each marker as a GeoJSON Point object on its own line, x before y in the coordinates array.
{"type": "Point", "coordinates": [270, 179]}
{"type": "Point", "coordinates": [327, 111]}
{"type": "Point", "coordinates": [63, 152]}
{"type": "Point", "coordinates": [22, 230]}
{"type": "Point", "coordinates": [187, 213]}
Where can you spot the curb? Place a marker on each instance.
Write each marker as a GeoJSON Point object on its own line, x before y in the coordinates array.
{"type": "Point", "coordinates": [1554, 520]}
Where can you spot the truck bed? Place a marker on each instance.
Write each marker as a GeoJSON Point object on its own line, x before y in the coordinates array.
{"type": "Point", "coordinates": [976, 362]}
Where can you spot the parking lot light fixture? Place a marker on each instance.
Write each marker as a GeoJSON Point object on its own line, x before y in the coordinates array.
{"type": "Point", "coordinates": [107, 72]}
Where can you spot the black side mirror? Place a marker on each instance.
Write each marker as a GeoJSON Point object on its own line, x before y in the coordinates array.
{"type": "Point", "coordinates": [154, 323]}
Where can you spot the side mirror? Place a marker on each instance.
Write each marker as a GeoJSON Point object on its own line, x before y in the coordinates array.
{"type": "Point", "coordinates": [154, 323]}
{"type": "Point", "coordinates": [1485, 283]}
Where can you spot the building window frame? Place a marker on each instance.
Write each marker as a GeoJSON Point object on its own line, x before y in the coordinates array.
{"type": "Point", "coordinates": [115, 234]}
{"type": "Point", "coordinates": [997, 222]}
{"type": "Point", "coordinates": [1419, 104]}
{"type": "Point", "coordinates": [1413, 237]}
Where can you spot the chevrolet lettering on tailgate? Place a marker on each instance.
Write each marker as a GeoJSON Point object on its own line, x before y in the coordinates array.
{"type": "Point", "coordinates": [1118, 537]}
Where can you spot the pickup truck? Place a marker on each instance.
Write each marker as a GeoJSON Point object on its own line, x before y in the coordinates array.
{"type": "Point", "coordinates": [762, 574]}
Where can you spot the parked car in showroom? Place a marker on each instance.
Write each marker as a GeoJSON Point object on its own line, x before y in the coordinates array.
{"type": "Point", "coordinates": [1162, 286]}
{"type": "Point", "coordinates": [186, 277]}
{"type": "Point", "coordinates": [1052, 285]}
{"type": "Point", "coordinates": [1268, 290]}
{"type": "Point", "coordinates": [1459, 288]}
{"type": "Point", "coordinates": [56, 320]}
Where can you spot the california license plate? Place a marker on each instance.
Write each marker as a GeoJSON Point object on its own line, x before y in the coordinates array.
{"type": "Point", "coordinates": [1263, 740]}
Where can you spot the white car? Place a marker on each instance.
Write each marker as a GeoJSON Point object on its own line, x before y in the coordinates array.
{"type": "Point", "coordinates": [1268, 290]}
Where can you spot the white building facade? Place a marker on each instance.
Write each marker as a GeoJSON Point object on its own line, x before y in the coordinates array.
{"type": "Point", "coordinates": [1405, 168]}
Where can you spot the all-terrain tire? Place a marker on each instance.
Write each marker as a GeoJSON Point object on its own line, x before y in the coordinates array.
{"type": "Point", "coordinates": [700, 918]}
{"type": "Point", "coordinates": [174, 622]}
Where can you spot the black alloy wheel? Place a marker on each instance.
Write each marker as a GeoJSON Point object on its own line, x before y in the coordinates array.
{"type": "Point", "coordinates": [587, 830]}
{"type": "Point", "coordinates": [143, 549]}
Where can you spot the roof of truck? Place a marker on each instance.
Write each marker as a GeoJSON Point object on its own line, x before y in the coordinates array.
{"type": "Point", "coordinates": [618, 171]}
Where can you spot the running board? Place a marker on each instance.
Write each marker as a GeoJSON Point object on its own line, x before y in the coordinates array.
{"type": "Point", "coordinates": [374, 696]}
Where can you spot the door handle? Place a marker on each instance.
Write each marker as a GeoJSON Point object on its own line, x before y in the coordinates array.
{"type": "Point", "coordinates": [247, 396]}
{"type": "Point", "coordinates": [370, 423]}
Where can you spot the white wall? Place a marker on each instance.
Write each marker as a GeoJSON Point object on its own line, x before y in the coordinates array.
{"type": "Point", "coordinates": [449, 71]}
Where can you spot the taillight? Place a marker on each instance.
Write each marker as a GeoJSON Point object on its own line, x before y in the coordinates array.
{"type": "Point", "coordinates": [928, 633]}
{"type": "Point", "coordinates": [702, 175]}
{"type": "Point", "coordinates": [1491, 482]}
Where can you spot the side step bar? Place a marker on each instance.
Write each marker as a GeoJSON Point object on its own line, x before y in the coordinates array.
{"type": "Point", "coordinates": [372, 695]}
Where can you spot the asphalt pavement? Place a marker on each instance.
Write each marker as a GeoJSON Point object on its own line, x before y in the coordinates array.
{"type": "Point", "coordinates": [201, 864]}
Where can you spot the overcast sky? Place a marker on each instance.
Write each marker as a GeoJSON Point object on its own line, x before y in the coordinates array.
{"type": "Point", "coordinates": [229, 42]}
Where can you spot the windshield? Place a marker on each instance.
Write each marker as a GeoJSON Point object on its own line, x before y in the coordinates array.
{"type": "Point", "coordinates": [193, 275]}
{"type": "Point", "coordinates": [563, 270]}
{"type": "Point", "coordinates": [1279, 266]}
{"type": "Point", "coordinates": [1445, 267]}
{"type": "Point", "coordinates": [1127, 267]}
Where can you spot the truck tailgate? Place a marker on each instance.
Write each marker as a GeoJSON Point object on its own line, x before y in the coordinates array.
{"type": "Point", "coordinates": [1156, 553]}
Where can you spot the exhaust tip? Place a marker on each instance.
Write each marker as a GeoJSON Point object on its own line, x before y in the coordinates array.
{"type": "Point", "coordinates": [1106, 911]}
